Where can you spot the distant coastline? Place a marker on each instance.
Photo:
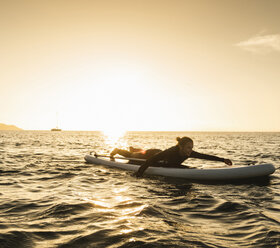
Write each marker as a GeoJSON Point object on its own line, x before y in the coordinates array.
{"type": "Point", "coordinates": [9, 127]}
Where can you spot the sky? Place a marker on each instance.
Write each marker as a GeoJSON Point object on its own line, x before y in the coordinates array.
{"type": "Point", "coordinates": [159, 65]}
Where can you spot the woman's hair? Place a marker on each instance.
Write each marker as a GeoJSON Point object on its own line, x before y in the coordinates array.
{"type": "Point", "coordinates": [184, 140]}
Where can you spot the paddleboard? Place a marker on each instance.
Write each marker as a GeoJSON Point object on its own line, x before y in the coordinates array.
{"type": "Point", "coordinates": [227, 173]}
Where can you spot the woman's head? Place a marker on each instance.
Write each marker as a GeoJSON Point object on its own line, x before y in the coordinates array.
{"type": "Point", "coordinates": [185, 144]}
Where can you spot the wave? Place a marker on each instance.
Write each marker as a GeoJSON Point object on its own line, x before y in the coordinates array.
{"type": "Point", "coordinates": [49, 203]}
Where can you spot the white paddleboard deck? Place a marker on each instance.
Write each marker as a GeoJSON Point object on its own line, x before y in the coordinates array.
{"type": "Point", "coordinates": [227, 173]}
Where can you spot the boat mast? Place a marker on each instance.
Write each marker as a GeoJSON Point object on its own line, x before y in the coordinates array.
{"type": "Point", "coordinates": [57, 120]}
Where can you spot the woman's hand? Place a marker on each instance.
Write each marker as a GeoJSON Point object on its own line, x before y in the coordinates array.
{"type": "Point", "coordinates": [227, 161]}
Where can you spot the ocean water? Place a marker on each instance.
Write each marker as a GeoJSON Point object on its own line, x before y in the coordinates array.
{"type": "Point", "coordinates": [49, 197]}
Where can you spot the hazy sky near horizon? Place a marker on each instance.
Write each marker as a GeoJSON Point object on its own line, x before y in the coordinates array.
{"type": "Point", "coordinates": [140, 64]}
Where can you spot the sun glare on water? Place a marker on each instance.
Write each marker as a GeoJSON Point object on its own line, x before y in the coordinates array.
{"type": "Point", "coordinates": [114, 137]}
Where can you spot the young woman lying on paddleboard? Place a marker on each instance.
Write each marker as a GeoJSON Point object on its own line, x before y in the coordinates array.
{"type": "Point", "coordinates": [171, 157]}
{"type": "Point", "coordinates": [176, 155]}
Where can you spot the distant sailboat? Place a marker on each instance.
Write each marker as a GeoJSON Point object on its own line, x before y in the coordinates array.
{"type": "Point", "coordinates": [56, 129]}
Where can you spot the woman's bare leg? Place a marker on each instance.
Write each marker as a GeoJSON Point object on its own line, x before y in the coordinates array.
{"type": "Point", "coordinates": [121, 152]}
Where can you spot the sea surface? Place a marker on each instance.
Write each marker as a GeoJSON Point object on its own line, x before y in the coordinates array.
{"type": "Point", "coordinates": [49, 197]}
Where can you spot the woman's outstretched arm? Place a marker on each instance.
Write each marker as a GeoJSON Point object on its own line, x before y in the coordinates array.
{"type": "Point", "coordinates": [209, 157]}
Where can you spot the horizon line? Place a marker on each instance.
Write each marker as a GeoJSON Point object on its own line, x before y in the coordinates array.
{"type": "Point", "coordinates": [174, 131]}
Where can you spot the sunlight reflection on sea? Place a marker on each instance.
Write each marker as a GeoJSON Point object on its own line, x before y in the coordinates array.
{"type": "Point", "coordinates": [51, 198]}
